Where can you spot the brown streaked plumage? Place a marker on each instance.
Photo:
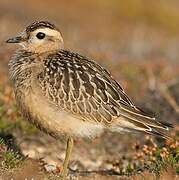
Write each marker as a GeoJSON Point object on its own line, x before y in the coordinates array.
{"type": "Point", "coordinates": [40, 24]}
{"type": "Point", "coordinates": [64, 93]}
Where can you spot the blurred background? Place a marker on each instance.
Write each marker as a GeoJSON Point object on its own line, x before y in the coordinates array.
{"type": "Point", "coordinates": [138, 41]}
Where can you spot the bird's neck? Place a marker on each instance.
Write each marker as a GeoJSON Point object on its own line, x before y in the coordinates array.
{"type": "Point", "coordinates": [22, 66]}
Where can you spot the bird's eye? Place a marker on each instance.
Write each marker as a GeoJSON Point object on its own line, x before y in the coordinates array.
{"type": "Point", "coordinates": [40, 35]}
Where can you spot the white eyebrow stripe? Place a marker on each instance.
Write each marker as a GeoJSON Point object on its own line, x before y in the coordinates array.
{"type": "Point", "coordinates": [49, 32]}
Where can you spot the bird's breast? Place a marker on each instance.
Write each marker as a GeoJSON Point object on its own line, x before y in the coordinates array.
{"type": "Point", "coordinates": [56, 121]}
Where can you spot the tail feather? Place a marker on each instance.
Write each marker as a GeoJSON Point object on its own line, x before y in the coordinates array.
{"type": "Point", "coordinates": [159, 134]}
{"type": "Point", "coordinates": [138, 121]}
{"type": "Point", "coordinates": [141, 118]}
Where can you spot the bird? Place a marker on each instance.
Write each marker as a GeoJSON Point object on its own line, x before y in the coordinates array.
{"type": "Point", "coordinates": [66, 94]}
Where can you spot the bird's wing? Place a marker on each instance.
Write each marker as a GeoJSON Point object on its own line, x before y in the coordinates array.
{"type": "Point", "coordinates": [84, 88]}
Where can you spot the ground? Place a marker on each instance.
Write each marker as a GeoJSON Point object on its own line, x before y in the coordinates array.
{"type": "Point", "coordinates": [138, 43]}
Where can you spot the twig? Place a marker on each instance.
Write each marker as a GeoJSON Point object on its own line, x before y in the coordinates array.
{"type": "Point", "coordinates": [154, 84]}
{"type": "Point", "coordinates": [151, 79]}
{"type": "Point", "coordinates": [166, 94]}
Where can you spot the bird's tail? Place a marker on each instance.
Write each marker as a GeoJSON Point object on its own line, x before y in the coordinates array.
{"type": "Point", "coordinates": [137, 120]}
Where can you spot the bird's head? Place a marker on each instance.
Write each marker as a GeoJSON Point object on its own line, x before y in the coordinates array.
{"type": "Point", "coordinates": [39, 37]}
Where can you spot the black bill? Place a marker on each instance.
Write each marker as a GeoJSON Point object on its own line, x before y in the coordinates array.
{"type": "Point", "coordinates": [17, 39]}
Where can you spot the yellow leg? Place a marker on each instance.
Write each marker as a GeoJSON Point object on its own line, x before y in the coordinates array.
{"type": "Point", "coordinates": [69, 148]}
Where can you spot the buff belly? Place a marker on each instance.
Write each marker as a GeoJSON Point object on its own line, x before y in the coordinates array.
{"type": "Point", "coordinates": [56, 121]}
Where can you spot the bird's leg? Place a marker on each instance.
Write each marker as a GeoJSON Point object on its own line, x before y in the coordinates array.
{"type": "Point", "coordinates": [69, 148]}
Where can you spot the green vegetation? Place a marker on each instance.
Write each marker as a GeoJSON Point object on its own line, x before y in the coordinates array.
{"type": "Point", "coordinates": [8, 158]}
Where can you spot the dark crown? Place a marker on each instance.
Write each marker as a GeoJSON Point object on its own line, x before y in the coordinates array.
{"type": "Point", "coordinates": [40, 24]}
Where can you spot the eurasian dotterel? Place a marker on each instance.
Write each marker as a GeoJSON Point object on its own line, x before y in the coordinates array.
{"type": "Point", "coordinates": [67, 94]}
